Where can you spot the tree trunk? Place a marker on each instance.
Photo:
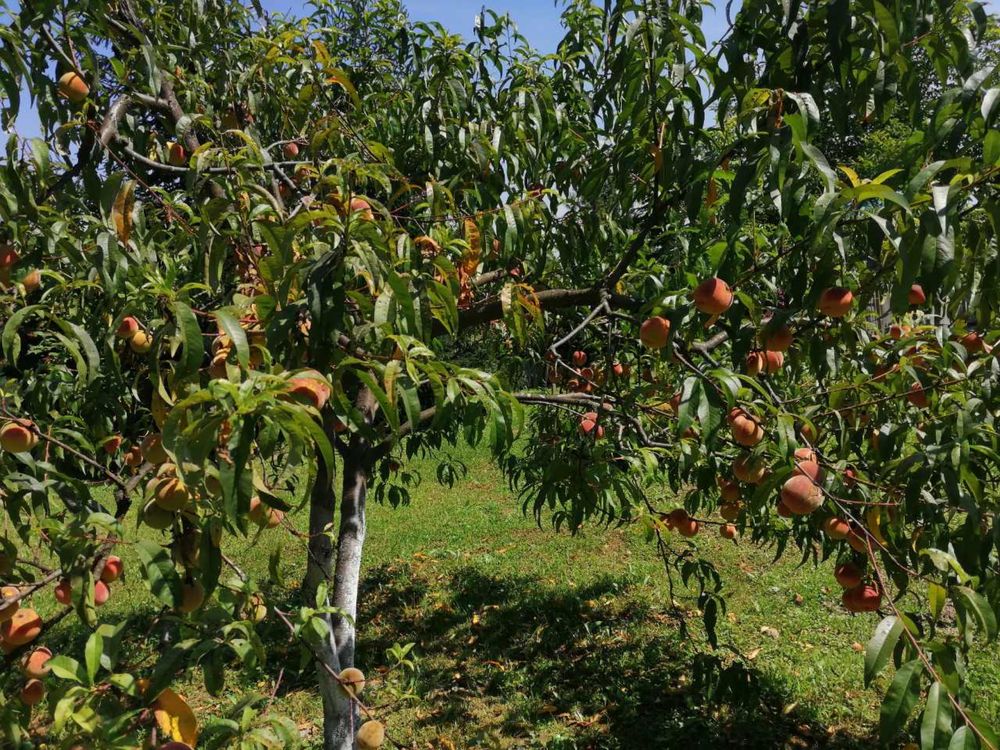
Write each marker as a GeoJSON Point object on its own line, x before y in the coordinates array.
{"type": "Point", "coordinates": [350, 544]}
{"type": "Point", "coordinates": [319, 565]}
{"type": "Point", "coordinates": [341, 717]}
{"type": "Point", "coordinates": [338, 728]}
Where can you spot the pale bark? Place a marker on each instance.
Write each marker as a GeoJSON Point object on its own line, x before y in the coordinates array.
{"type": "Point", "coordinates": [341, 717]}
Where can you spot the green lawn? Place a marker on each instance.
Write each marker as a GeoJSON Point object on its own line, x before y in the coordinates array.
{"type": "Point", "coordinates": [530, 638]}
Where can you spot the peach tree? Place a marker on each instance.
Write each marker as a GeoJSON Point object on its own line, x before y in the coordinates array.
{"type": "Point", "coordinates": [246, 257]}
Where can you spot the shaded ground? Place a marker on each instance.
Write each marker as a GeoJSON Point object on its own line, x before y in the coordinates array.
{"type": "Point", "coordinates": [525, 638]}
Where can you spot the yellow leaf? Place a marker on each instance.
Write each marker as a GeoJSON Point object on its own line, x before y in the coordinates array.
{"type": "Point", "coordinates": [874, 518]}
{"type": "Point", "coordinates": [121, 211]}
{"type": "Point", "coordinates": [851, 175]}
{"type": "Point", "coordinates": [175, 718]}
{"type": "Point", "coordinates": [470, 258]}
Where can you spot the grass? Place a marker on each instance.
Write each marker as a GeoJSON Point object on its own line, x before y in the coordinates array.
{"type": "Point", "coordinates": [530, 638]}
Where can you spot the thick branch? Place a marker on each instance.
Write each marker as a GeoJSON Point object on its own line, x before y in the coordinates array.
{"type": "Point", "coordinates": [548, 299]}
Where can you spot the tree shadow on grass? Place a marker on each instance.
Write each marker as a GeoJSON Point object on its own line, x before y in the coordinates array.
{"type": "Point", "coordinates": [510, 662]}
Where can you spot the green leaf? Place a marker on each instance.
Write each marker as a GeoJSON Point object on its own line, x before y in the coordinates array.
{"type": "Point", "coordinates": [9, 339]}
{"type": "Point", "coordinates": [899, 700]}
{"type": "Point", "coordinates": [873, 191]}
{"type": "Point", "coordinates": [92, 655]}
{"type": "Point", "coordinates": [193, 344]}
{"type": "Point", "coordinates": [232, 328]}
{"type": "Point", "coordinates": [158, 572]}
{"type": "Point", "coordinates": [936, 597]}
{"type": "Point", "coordinates": [87, 344]}
{"type": "Point", "coordinates": [976, 604]}
{"type": "Point", "coordinates": [935, 727]}
{"type": "Point", "coordinates": [66, 668]}
{"type": "Point", "coordinates": [881, 645]}
{"type": "Point", "coordinates": [963, 739]}
{"type": "Point", "coordinates": [984, 730]}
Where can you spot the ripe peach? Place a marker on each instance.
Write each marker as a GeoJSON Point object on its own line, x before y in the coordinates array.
{"type": "Point", "coordinates": [729, 511]}
{"type": "Point", "coordinates": [783, 510]}
{"type": "Point", "coordinates": [579, 358]}
{"type": "Point", "coordinates": [176, 154]}
{"type": "Point", "coordinates": [36, 663]}
{"type": "Point", "coordinates": [745, 429]}
{"type": "Point", "coordinates": [127, 328]}
{"type": "Point", "coordinates": [806, 463]}
{"type": "Point", "coordinates": [654, 332]}
{"type": "Point", "coordinates": [102, 593]}
{"type": "Point", "coordinates": [310, 390]}
{"type": "Point", "coordinates": [850, 478]}
{"type": "Point", "coordinates": [141, 342]}
{"type": "Point", "coordinates": [778, 340]}
{"type": "Point", "coordinates": [362, 207]}
{"type": "Point", "coordinates": [192, 597]}
{"type": "Point", "coordinates": [917, 396]}
{"type": "Point", "coordinates": [857, 542]}
{"type": "Point", "coordinates": [352, 681]}
{"type": "Point", "coordinates": [801, 495]}
{"type": "Point", "coordinates": [773, 362]}
{"type": "Point", "coordinates": [749, 469]}
{"type": "Point", "coordinates": [688, 528]}
{"type": "Point", "coordinates": [8, 257]}
{"type": "Point", "coordinates": [153, 450]}
{"type": "Point", "coordinates": [133, 456]}
{"type": "Point", "coordinates": [290, 150]}
{"type": "Point", "coordinates": [589, 425]}
{"type": "Point", "coordinates": [805, 454]}
{"type": "Point", "coordinates": [18, 436]}
{"type": "Point", "coordinates": [618, 369]}
{"type": "Point", "coordinates": [72, 86]}
{"type": "Point", "coordinates": [32, 692]}
{"type": "Point", "coordinates": [835, 301]}
{"type": "Point", "coordinates": [264, 515]}
{"type": "Point", "coordinates": [371, 735]}
{"type": "Point", "coordinates": [32, 281]}
{"type": "Point", "coordinates": [713, 296]}
{"type": "Point", "coordinates": [768, 362]}
{"type": "Point", "coordinates": [172, 494]}
{"type": "Point", "coordinates": [916, 295]}
{"type": "Point", "coordinates": [729, 491]}
{"type": "Point", "coordinates": [113, 567]}
{"type": "Point", "coordinates": [972, 342]}
{"type": "Point", "coordinates": [112, 444]}
{"type": "Point", "coordinates": [63, 593]}
{"type": "Point", "coordinates": [863, 598]}
{"type": "Point", "coordinates": [727, 531]}
{"type": "Point", "coordinates": [21, 629]}
{"type": "Point", "coordinates": [848, 575]}
{"type": "Point", "coordinates": [7, 610]}
{"type": "Point", "coordinates": [677, 516]}
{"type": "Point", "coordinates": [836, 528]}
